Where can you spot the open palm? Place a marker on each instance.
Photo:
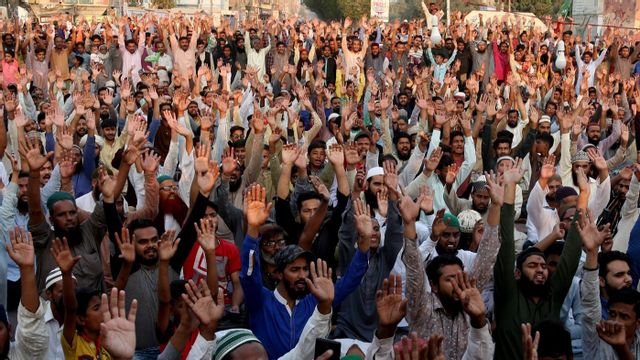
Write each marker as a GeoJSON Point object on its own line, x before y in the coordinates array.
{"type": "Point", "coordinates": [320, 284]}
{"type": "Point", "coordinates": [389, 303]}
{"type": "Point", "coordinates": [256, 208]}
{"type": "Point", "coordinates": [118, 333]}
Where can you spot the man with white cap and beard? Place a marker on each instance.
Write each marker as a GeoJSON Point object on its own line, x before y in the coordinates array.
{"type": "Point", "coordinates": [54, 312]}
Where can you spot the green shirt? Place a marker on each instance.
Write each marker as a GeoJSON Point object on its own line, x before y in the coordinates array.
{"type": "Point", "coordinates": [512, 308]}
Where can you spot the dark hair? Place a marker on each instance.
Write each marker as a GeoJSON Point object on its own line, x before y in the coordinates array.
{"type": "Point", "coordinates": [316, 144]}
{"type": "Point", "coordinates": [390, 157]}
{"type": "Point", "coordinates": [130, 41]}
{"type": "Point", "coordinates": [555, 339]}
{"type": "Point", "coordinates": [445, 160]}
{"type": "Point", "coordinates": [400, 135]}
{"type": "Point", "coordinates": [501, 140]}
{"type": "Point", "coordinates": [545, 138]}
{"type": "Point", "coordinates": [604, 258]}
{"type": "Point", "coordinates": [554, 249]}
{"type": "Point", "coordinates": [435, 266]}
{"type": "Point", "coordinates": [140, 224]}
{"type": "Point", "coordinates": [83, 297]}
{"type": "Point", "coordinates": [525, 254]}
{"type": "Point", "coordinates": [268, 231]}
{"type": "Point", "coordinates": [238, 144]}
{"type": "Point", "coordinates": [627, 296]}
{"type": "Point", "coordinates": [362, 134]}
{"type": "Point", "coordinates": [23, 174]}
{"type": "Point", "coordinates": [307, 195]}
{"type": "Point", "coordinates": [587, 53]}
{"type": "Point", "coordinates": [176, 288]}
{"type": "Point", "coordinates": [456, 133]}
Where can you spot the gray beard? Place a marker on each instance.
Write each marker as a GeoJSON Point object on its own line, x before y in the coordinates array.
{"type": "Point", "coordinates": [267, 258]}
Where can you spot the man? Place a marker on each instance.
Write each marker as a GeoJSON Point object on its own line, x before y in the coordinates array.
{"type": "Point", "coordinates": [278, 317]}
{"type": "Point", "coordinates": [375, 59]}
{"type": "Point", "coordinates": [614, 274]}
{"type": "Point", "coordinates": [443, 307]}
{"type": "Point", "coordinates": [32, 337]}
{"type": "Point", "coordinates": [273, 238]}
{"type": "Point", "coordinates": [618, 336]}
{"type": "Point", "coordinates": [542, 204]}
{"type": "Point", "coordinates": [530, 296]}
{"type": "Point", "coordinates": [585, 61]}
{"type": "Point", "coordinates": [479, 201]}
{"type": "Point", "coordinates": [257, 55]}
{"type": "Point", "coordinates": [593, 134]}
{"type": "Point", "coordinates": [54, 315]}
{"type": "Point", "coordinates": [172, 206]}
{"type": "Point", "coordinates": [316, 228]}
{"type": "Point", "coordinates": [612, 212]}
{"type": "Point", "coordinates": [184, 49]}
{"type": "Point", "coordinates": [112, 142]}
{"type": "Point", "coordinates": [84, 237]}
{"type": "Point", "coordinates": [358, 317]}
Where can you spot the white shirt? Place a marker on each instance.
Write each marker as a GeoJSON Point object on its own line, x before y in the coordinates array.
{"type": "Point", "coordinates": [55, 331]}
{"type": "Point", "coordinates": [541, 217]}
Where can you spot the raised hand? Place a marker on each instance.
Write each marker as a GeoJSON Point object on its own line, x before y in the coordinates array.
{"type": "Point", "coordinates": [432, 162]}
{"type": "Point", "coordinates": [207, 179]}
{"type": "Point", "coordinates": [20, 248]}
{"type": "Point", "coordinates": [390, 176]}
{"type": "Point", "coordinates": [548, 167]}
{"type": "Point", "coordinates": [290, 153]}
{"type": "Point", "coordinates": [452, 172]}
{"type": "Point", "coordinates": [126, 245]}
{"type": "Point", "coordinates": [336, 156]}
{"type": "Point", "coordinates": [320, 285]}
{"type": "Point", "coordinates": [30, 150]}
{"type": "Point", "coordinates": [229, 163]}
{"type": "Point", "coordinates": [320, 187]}
{"type": "Point", "coordinates": [63, 256]}
{"type": "Point", "coordinates": [469, 295]}
{"type": "Point", "coordinates": [362, 219]}
{"type": "Point", "coordinates": [409, 210]}
{"type": "Point", "coordinates": [201, 302]}
{"type": "Point", "coordinates": [529, 344]}
{"type": "Point", "coordinates": [256, 209]}
{"type": "Point", "coordinates": [496, 188]}
{"type": "Point", "coordinates": [107, 184]}
{"type": "Point", "coordinates": [426, 199]}
{"type": "Point", "coordinates": [582, 180]}
{"type": "Point", "coordinates": [203, 153]}
{"type": "Point", "coordinates": [150, 162]}
{"type": "Point", "coordinates": [117, 332]}
{"type": "Point", "coordinates": [389, 303]}
{"type": "Point", "coordinates": [167, 245]}
{"type": "Point", "coordinates": [351, 154]}
{"type": "Point", "coordinates": [66, 164]}
{"type": "Point", "coordinates": [591, 237]}
{"type": "Point", "coordinates": [597, 159]}
{"type": "Point", "coordinates": [383, 201]}
{"type": "Point", "coordinates": [207, 234]}
{"type": "Point", "coordinates": [514, 172]}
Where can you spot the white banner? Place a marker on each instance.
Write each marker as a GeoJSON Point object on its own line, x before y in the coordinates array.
{"type": "Point", "coordinates": [380, 9]}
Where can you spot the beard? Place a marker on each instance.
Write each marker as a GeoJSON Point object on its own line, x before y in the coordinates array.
{"type": "Point", "coordinates": [234, 186]}
{"type": "Point", "coordinates": [529, 289]}
{"type": "Point", "coordinates": [59, 305]}
{"type": "Point", "coordinates": [371, 199]}
{"type": "Point", "coordinates": [269, 259]}
{"type": "Point", "coordinates": [404, 157]}
{"type": "Point", "coordinates": [594, 141]}
{"type": "Point", "coordinates": [175, 207]}
{"type": "Point", "coordinates": [445, 251]}
{"type": "Point", "coordinates": [145, 261]}
{"type": "Point", "coordinates": [513, 126]}
{"type": "Point", "coordinates": [23, 206]}
{"type": "Point", "coordinates": [293, 293]}
{"type": "Point", "coordinates": [74, 236]}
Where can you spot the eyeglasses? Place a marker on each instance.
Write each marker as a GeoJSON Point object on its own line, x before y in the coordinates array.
{"type": "Point", "coordinates": [169, 188]}
{"type": "Point", "coordinates": [271, 243]}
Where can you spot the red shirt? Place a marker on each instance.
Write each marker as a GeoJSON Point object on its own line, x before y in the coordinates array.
{"type": "Point", "coordinates": [228, 262]}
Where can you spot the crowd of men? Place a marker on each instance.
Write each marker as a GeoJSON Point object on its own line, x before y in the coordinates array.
{"type": "Point", "coordinates": [183, 188]}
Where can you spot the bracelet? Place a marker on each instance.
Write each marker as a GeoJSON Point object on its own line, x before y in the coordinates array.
{"type": "Point", "coordinates": [590, 269]}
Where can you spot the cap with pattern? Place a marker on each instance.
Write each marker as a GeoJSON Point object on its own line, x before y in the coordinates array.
{"type": "Point", "coordinates": [580, 156]}
{"type": "Point", "coordinates": [233, 340]}
{"type": "Point", "coordinates": [468, 219]}
{"type": "Point", "coordinates": [289, 254]}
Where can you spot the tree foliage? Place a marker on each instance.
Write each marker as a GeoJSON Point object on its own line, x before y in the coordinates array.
{"type": "Point", "coordinates": [163, 4]}
{"type": "Point", "coordinates": [355, 8]}
{"type": "Point", "coordinates": [325, 9]}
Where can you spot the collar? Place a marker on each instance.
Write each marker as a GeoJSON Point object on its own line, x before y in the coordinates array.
{"type": "Point", "coordinates": [283, 301]}
{"type": "Point", "coordinates": [48, 315]}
